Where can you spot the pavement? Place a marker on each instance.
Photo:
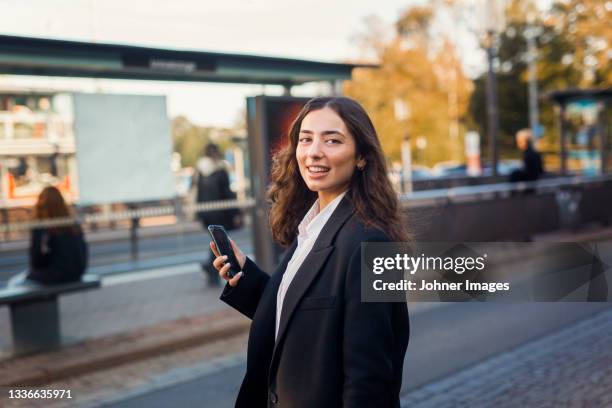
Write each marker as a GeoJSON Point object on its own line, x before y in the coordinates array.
{"type": "Point", "coordinates": [129, 301]}
{"type": "Point", "coordinates": [158, 330]}
{"type": "Point", "coordinates": [569, 368]}
{"type": "Point", "coordinates": [444, 341]}
{"type": "Point", "coordinates": [111, 351]}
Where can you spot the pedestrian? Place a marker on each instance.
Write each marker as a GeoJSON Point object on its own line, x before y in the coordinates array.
{"type": "Point", "coordinates": [58, 253]}
{"type": "Point", "coordinates": [212, 181]}
{"type": "Point", "coordinates": [313, 342]}
{"type": "Point", "coordinates": [532, 160]}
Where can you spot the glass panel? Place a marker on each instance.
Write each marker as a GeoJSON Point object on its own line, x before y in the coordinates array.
{"type": "Point", "coordinates": [583, 143]}
{"type": "Point", "coordinates": [607, 126]}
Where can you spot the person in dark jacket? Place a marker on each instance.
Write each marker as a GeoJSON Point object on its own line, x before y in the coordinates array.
{"type": "Point", "coordinates": [57, 254]}
{"type": "Point", "coordinates": [532, 160]}
{"type": "Point", "coordinates": [313, 342]}
{"type": "Point", "coordinates": [212, 183]}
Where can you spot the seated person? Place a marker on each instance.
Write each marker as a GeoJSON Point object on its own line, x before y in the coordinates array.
{"type": "Point", "coordinates": [532, 160]}
{"type": "Point", "coordinates": [58, 254]}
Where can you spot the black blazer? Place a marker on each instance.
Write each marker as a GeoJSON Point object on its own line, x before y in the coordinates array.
{"type": "Point", "coordinates": [332, 350]}
{"type": "Point", "coordinates": [57, 257]}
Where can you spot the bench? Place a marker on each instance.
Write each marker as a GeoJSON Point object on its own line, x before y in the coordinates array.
{"type": "Point", "coordinates": [35, 313]}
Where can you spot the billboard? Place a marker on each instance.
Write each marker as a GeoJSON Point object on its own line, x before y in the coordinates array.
{"type": "Point", "coordinates": [268, 120]}
{"type": "Point", "coordinates": [123, 148]}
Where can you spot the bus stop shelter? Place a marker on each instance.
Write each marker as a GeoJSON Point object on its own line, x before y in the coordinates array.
{"type": "Point", "coordinates": [585, 127]}
{"type": "Point", "coordinates": [49, 57]}
{"type": "Point", "coordinates": [52, 57]}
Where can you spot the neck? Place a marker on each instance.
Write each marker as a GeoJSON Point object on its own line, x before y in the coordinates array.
{"type": "Point", "coordinates": [326, 197]}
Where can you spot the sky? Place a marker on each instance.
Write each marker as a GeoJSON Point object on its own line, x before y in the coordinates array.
{"type": "Point", "coordinates": [320, 30]}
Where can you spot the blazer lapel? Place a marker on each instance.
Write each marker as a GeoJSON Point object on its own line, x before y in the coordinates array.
{"type": "Point", "coordinates": [286, 258]}
{"type": "Point", "coordinates": [312, 265]}
{"type": "Point", "coordinates": [277, 276]}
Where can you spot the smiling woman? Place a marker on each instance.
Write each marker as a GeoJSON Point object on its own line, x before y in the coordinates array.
{"type": "Point", "coordinates": [334, 133]}
{"type": "Point", "coordinates": [326, 154]}
{"type": "Point", "coordinates": [313, 342]}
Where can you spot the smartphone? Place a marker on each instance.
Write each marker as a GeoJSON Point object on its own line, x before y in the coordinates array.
{"type": "Point", "coordinates": [221, 239]}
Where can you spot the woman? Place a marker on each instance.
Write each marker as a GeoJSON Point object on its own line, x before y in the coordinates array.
{"type": "Point", "coordinates": [212, 183]}
{"type": "Point", "coordinates": [312, 342]}
{"type": "Point", "coordinates": [58, 254]}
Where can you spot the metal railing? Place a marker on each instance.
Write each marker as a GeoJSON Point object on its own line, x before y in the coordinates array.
{"type": "Point", "coordinates": [55, 126]}
{"type": "Point", "coordinates": [132, 214]}
{"type": "Point", "coordinates": [485, 191]}
{"type": "Point", "coordinates": [417, 198]}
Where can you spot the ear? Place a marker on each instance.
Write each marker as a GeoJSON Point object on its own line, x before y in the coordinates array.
{"type": "Point", "coordinates": [361, 163]}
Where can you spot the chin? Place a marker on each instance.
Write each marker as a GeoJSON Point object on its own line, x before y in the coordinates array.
{"type": "Point", "coordinates": [315, 187]}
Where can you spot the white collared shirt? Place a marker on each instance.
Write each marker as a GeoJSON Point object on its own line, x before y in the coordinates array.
{"type": "Point", "coordinates": [308, 231]}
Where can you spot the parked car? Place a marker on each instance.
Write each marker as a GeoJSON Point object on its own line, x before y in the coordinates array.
{"type": "Point", "coordinates": [504, 167]}
{"type": "Point", "coordinates": [449, 168]}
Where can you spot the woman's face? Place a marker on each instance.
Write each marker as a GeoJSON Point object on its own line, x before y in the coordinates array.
{"type": "Point", "coordinates": [326, 153]}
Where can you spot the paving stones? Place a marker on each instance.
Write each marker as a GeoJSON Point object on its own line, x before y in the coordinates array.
{"type": "Point", "coordinates": [570, 368]}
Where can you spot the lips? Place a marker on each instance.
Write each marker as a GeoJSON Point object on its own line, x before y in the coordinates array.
{"type": "Point", "coordinates": [318, 169]}
{"type": "Point", "coordinates": [317, 172]}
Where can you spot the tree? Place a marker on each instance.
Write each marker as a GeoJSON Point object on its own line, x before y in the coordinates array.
{"type": "Point", "coordinates": [586, 25]}
{"type": "Point", "coordinates": [568, 45]}
{"type": "Point", "coordinates": [422, 73]}
{"type": "Point", "coordinates": [188, 140]}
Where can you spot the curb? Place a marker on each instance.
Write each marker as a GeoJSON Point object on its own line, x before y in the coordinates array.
{"type": "Point", "coordinates": [112, 351]}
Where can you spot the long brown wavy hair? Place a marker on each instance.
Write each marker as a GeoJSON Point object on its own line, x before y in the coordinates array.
{"type": "Point", "coordinates": [370, 190]}
{"type": "Point", "coordinates": [51, 205]}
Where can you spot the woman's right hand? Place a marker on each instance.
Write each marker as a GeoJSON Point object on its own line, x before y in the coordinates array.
{"type": "Point", "coordinates": [222, 267]}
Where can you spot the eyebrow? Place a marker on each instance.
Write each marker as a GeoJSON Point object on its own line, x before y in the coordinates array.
{"type": "Point", "coordinates": [324, 133]}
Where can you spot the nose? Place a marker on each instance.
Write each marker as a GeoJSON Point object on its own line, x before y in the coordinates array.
{"type": "Point", "coordinates": [315, 150]}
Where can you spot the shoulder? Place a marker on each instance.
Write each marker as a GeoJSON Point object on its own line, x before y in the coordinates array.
{"type": "Point", "coordinates": [77, 230]}
{"type": "Point", "coordinates": [38, 232]}
{"type": "Point", "coordinates": [354, 232]}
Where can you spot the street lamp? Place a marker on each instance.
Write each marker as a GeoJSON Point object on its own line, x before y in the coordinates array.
{"type": "Point", "coordinates": [402, 114]}
{"type": "Point", "coordinates": [531, 32]}
{"type": "Point", "coordinates": [493, 23]}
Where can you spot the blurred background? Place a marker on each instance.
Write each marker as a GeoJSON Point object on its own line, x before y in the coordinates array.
{"type": "Point", "coordinates": [114, 103]}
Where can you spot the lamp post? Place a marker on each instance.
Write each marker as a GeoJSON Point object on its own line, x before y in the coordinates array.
{"type": "Point", "coordinates": [531, 33]}
{"type": "Point", "coordinates": [493, 17]}
{"type": "Point", "coordinates": [402, 114]}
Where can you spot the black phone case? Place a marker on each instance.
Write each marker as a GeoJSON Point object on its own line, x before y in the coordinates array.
{"type": "Point", "coordinates": [221, 239]}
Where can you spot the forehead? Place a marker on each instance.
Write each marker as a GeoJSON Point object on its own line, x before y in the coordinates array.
{"type": "Point", "coordinates": [522, 136]}
{"type": "Point", "coordinates": [323, 119]}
